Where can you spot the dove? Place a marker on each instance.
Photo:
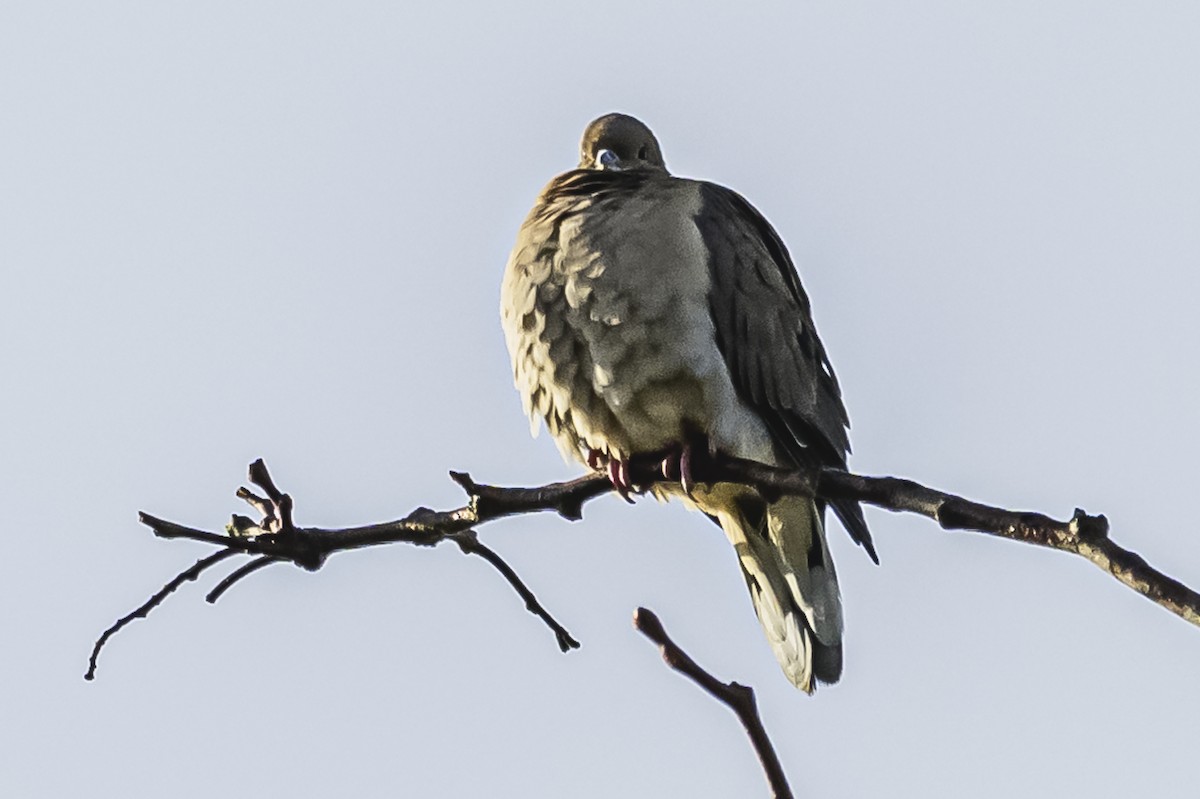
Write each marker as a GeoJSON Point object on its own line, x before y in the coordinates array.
{"type": "Point", "coordinates": [649, 314]}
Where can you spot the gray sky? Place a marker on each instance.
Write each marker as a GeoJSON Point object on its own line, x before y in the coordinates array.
{"type": "Point", "coordinates": [232, 230]}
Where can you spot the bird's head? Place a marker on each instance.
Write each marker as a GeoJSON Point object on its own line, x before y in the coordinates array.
{"type": "Point", "coordinates": [619, 142]}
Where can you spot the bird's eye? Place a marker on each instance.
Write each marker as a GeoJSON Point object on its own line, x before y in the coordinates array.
{"type": "Point", "coordinates": [642, 153]}
{"type": "Point", "coordinates": [607, 159]}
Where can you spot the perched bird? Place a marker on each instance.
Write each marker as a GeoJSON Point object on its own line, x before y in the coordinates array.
{"type": "Point", "coordinates": [647, 313]}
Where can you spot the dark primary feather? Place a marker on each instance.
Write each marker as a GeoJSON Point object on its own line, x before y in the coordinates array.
{"type": "Point", "coordinates": [765, 333]}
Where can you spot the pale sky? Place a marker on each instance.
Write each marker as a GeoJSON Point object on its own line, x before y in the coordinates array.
{"type": "Point", "coordinates": [233, 230]}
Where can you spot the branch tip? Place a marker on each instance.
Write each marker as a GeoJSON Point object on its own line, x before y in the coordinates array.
{"type": "Point", "coordinates": [464, 480]}
{"type": "Point", "coordinates": [738, 698]}
{"type": "Point", "coordinates": [259, 475]}
{"type": "Point", "coordinates": [648, 624]}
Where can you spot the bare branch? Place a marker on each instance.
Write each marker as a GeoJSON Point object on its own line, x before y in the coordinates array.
{"type": "Point", "coordinates": [276, 538]}
{"type": "Point", "coordinates": [738, 698]}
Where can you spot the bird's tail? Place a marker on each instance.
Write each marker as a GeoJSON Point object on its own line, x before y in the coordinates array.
{"type": "Point", "coordinates": [786, 563]}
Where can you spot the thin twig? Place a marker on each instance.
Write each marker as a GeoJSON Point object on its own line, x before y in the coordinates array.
{"type": "Point", "coordinates": [242, 573]}
{"type": "Point", "coordinates": [738, 698]}
{"type": "Point", "coordinates": [469, 543]}
{"type": "Point", "coordinates": [191, 573]}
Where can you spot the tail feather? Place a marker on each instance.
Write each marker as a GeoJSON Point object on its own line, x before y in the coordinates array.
{"type": "Point", "coordinates": [786, 562]}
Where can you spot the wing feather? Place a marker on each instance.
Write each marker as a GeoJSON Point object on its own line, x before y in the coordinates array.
{"type": "Point", "coordinates": [766, 335]}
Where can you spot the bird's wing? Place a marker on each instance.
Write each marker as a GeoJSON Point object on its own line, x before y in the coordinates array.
{"type": "Point", "coordinates": [765, 332]}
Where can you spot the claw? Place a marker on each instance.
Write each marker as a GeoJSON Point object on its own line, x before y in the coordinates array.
{"type": "Point", "coordinates": [618, 475]}
{"type": "Point", "coordinates": [670, 466]}
{"type": "Point", "coordinates": [626, 481]}
{"type": "Point", "coordinates": [686, 482]}
{"type": "Point", "coordinates": [677, 466]}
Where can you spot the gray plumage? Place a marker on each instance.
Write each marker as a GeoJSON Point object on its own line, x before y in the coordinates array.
{"type": "Point", "coordinates": [641, 308]}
